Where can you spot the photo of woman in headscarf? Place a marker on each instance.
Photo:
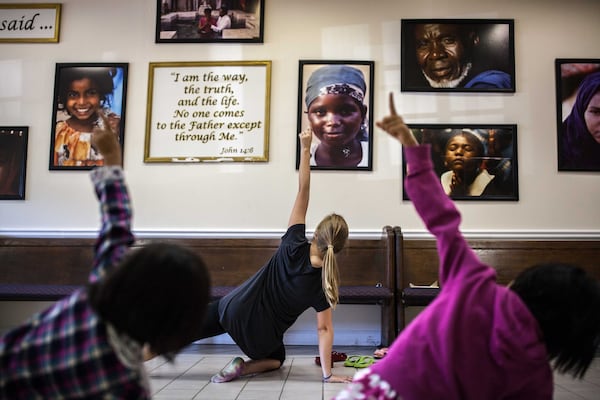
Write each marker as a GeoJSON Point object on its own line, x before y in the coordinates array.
{"type": "Point", "coordinates": [579, 135]}
{"type": "Point", "coordinates": [335, 107]}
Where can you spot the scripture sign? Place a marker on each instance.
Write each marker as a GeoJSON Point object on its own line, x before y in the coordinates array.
{"type": "Point", "coordinates": [208, 111]}
{"type": "Point", "coordinates": [29, 22]}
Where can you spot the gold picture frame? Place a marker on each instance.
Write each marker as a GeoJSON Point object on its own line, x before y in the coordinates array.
{"type": "Point", "coordinates": [30, 23]}
{"type": "Point", "coordinates": [208, 112]}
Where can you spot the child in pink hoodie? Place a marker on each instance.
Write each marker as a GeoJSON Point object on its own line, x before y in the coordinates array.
{"type": "Point", "coordinates": [477, 339]}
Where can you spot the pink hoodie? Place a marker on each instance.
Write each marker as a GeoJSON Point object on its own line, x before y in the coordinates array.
{"type": "Point", "coordinates": [477, 340]}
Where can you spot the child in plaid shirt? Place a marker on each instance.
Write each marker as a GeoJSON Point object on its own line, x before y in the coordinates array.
{"type": "Point", "coordinates": [90, 344]}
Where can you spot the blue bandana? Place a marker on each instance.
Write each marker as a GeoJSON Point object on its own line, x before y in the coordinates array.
{"type": "Point", "coordinates": [336, 79]}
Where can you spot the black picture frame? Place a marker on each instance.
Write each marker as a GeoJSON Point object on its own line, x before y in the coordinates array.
{"type": "Point", "coordinates": [179, 21]}
{"type": "Point", "coordinates": [488, 43]}
{"type": "Point", "coordinates": [70, 146]}
{"type": "Point", "coordinates": [13, 162]}
{"type": "Point", "coordinates": [577, 84]}
{"type": "Point", "coordinates": [360, 71]}
{"type": "Point", "coordinates": [498, 142]}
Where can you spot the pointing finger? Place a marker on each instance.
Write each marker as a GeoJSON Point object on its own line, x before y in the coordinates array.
{"type": "Point", "coordinates": [392, 107]}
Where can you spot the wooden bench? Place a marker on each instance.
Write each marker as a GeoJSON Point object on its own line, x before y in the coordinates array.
{"type": "Point", "coordinates": [49, 269]}
{"type": "Point", "coordinates": [417, 263]}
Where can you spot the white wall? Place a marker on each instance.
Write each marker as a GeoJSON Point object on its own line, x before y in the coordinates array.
{"type": "Point", "coordinates": [256, 197]}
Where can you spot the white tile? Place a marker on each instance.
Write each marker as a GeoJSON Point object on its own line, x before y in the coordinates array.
{"type": "Point", "coordinates": [299, 378]}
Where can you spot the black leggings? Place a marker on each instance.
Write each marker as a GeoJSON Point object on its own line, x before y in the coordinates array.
{"type": "Point", "coordinates": [212, 327]}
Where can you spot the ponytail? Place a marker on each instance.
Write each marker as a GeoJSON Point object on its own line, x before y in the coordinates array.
{"type": "Point", "coordinates": [331, 236]}
{"type": "Point", "coordinates": [331, 277]}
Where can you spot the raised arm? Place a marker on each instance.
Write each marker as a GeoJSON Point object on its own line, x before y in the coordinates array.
{"type": "Point", "coordinates": [435, 208]}
{"type": "Point", "coordinates": [115, 235]}
{"type": "Point", "coordinates": [394, 125]}
{"type": "Point", "coordinates": [298, 215]}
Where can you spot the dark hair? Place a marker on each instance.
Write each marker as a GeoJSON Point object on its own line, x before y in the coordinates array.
{"type": "Point", "coordinates": [101, 76]}
{"type": "Point", "coordinates": [566, 303]}
{"type": "Point", "coordinates": [157, 295]}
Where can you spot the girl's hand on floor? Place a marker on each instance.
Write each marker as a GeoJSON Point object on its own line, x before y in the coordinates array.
{"type": "Point", "coordinates": [339, 379]}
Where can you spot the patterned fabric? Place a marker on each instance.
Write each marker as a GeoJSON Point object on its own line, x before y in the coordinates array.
{"type": "Point", "coordinates": [343, 88]}
{"type": "Point", "coordinates": [65, 351]}
{"type": "Point", "coordinates": [335, 79]}
{"type": "Point", "coordinates": [364, 382]}
{"type": "Point", "coordinates": [73, 148]}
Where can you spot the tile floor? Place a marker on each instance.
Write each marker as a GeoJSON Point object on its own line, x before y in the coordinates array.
{"type": "Point", "coordinates": [299, 379]}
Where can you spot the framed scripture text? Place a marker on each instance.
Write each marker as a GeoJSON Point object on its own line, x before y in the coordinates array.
{"type": "Point", "coordinates": [208, 111]}
{"type": "Point", "coordinates": [29, 22]}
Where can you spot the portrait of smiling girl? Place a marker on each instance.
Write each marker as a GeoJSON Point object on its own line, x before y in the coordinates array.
{"type": "Point", "coordinates": [335, 108]}
{"type": "Point", "coordinates": [82, 95]}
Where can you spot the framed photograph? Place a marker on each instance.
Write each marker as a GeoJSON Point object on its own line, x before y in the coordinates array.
{"type": "Point", "coordinates": [86, 96]}
{"type": "Point", "coordinates": [13, 162]}
{"type": "Point", "coordinates": [335, 101]}
{"type": "Point", "coordinates": [457, 55]}
{"type": "Point", "coordinates": [210, 21]}
{"type": "Point", "coordinates": [29, 23]}
{"type": "Point", "coordinates": [208, 111]}
{"type": "Point", "coordinates": [474, 162]}
{"type": "Point", "coordinates": [578, 114]}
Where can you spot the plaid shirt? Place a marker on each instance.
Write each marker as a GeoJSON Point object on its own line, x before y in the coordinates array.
{"type": "Point", "coordinates": [65, 351]}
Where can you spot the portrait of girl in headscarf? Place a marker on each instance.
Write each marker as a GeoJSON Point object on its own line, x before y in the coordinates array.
{"type": "Point", "coordinates": [337, 115]}
{"type": "Point", "coordinates": [579, 138]}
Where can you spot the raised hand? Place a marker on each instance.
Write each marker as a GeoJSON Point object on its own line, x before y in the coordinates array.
{"type": "Point", "coordinates": [394, 125]}
{"type": "Point", "coordinates": [305, 138]}
{"type": "Point", "coordinates": [107, 143]}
